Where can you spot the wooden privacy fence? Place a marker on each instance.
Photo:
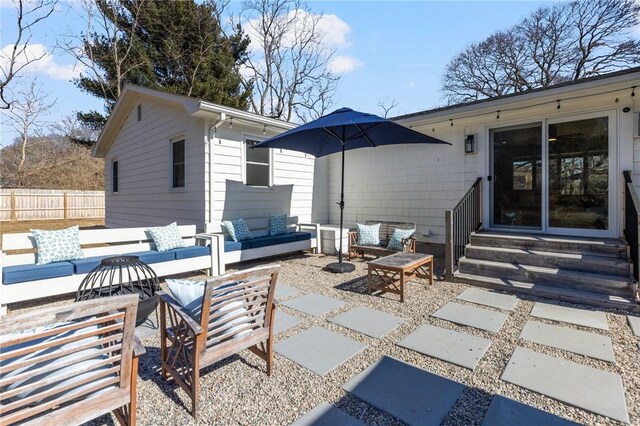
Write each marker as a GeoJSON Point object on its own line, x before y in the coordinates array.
{"type": "Point", "coordinates": [50, 204]}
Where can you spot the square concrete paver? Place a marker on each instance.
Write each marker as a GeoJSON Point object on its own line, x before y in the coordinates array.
{"type": "Point", "coordinates": [489, 298]}
{"type": "Point", "coordinates": [634, 322]}
{"type": "Point", "coordinates": [483, 319]}
{"type": "Point", "coordinates": [318, 349]}
{"type": "Point", "coordinates": [284, 321]}
{"type": "Point", "coordinates": [283, 290]}
{"type": "Point", "coordinates": [569, 339]}
{"type": "Point", "coordinates": [314, 304]}
{"type": "Point", "coordinates": [448, 345]}
{"type": "Point", "coordinates": [326, 414]}
{"type": "Point", "coordinates": [575, 316]}
{"type": "Point", "coordinates": [575, 384]}
{"type": "Point", "coordinates": [368, 321]}
{"type": "Point", "coordinates": [507, 412]}
{"type": "Point", "coordinates": [411, 394]}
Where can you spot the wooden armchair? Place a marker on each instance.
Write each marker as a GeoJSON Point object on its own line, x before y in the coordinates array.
{"type": "Point", "coordinates": [188, 346]}
{"type": "Point", "coordinates": [70, 364]}
{"type": "Point", "coordinates": [386, 231]}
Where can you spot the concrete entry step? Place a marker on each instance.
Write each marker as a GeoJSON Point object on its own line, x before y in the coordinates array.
{"type": "Point", "coordinates": [626, 303]}
{"type": "Point", "coordinates": [554, 243]}
{"type": "Point", "coordinates": [608, 284]}
{"type": "Point", "coordinates": [584, 262]}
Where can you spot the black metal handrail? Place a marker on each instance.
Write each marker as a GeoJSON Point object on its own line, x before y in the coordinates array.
{"type": "Point", "coordinates": [464, 219]}
{"type": "Point", "coordinates": [632, 224]}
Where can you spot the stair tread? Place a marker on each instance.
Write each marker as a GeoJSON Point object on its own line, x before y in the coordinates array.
{"type": "Point", "coordinates": [585, 256]}
{"type": "Point", "coordinates": [550, 270]}
{"type": "Point", "coordinates": [611, 242]}
{"type": "Point", "coordinates": [582, 296]}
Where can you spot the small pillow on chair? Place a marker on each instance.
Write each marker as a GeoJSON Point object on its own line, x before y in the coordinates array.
{"type": "Point", "coordinates": [237, 229]}
{"type": "Point", "coordinates": [58, 246]}
{"type": "Point", "coordinates": [189, 295]}
{"type": "Point", "coordinates": [368, 235]}
{"type": "Point", "coordinates": [167, 237]}
{"type": "Point", "coordinates": [278, 225]}
{"type": "Point", "coordinates": [395, 242]}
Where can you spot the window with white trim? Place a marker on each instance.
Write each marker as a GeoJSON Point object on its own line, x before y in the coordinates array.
{"type": "Point", "coordinates": [257, 164]}
{"type": "Point", "coordinates": [178, 164]}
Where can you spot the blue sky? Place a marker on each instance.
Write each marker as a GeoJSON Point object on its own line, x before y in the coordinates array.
{"type": "Point", "coordinates": [386, 50]}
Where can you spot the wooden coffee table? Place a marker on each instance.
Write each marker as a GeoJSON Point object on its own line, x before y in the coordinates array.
{"type": "Point", "coordinates": [393, 271]}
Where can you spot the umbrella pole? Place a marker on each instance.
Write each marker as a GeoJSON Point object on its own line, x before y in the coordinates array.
{"type": "Point", "coordinates": [341, 266]}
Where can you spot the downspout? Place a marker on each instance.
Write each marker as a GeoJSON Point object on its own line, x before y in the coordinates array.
{"type": "Point", "coordinates": [211, 138]}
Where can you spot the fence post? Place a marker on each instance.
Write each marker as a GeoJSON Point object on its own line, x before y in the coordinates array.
{"type": "Point", "coordinates": [14, 216]}
{"type": "Point", "coordinates": [448, 244]}
{"type": "Point", "coordinates": [66, 206]}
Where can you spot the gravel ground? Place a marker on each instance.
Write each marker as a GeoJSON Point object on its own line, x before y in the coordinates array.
{"type": "Point", "coordinates": [237, 390]}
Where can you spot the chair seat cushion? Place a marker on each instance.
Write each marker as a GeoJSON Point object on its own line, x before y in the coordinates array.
{"type": "Point", "coordinates": [153, 256]}
{"type": "Point", "coordinates": [301, 236]}
{"type": "Point", "coordinates": [270, 241]}
{"type": "Point", "coordinates": [193, 251]}
{"type": "Point", "coordinates": [84, 266]}
{"type": "Point", "coordinates": [22, 273]}
{"type": "Point", "coordinates": [230, 246]}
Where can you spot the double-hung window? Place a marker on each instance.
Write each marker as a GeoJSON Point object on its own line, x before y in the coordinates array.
{"type": "Point", "coordinates": [177, 164]}
{"type": "Point", "coordinates": [257, 164]}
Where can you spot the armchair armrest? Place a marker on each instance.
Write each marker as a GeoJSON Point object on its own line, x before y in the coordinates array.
{"type": "Point", "coordinates": [315, 227]}
{"type": "Point", "coordinates": [353, 237]}
{"type": "Point", "coordinates": [171, 303]}
{"type": "Point", "coordinates": [138, 348]}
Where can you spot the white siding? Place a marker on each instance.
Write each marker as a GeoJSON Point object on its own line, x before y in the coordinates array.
{"type": "Point", "coordinates": [293, 175]}
{"type": "Point", "coordinates": [143, 151]}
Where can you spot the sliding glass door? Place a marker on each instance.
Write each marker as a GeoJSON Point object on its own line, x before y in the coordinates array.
{"type": "Point", "coordinates": [555, 176]}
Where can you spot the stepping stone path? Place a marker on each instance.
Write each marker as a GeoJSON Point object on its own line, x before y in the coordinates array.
{"type": "Point", "coordinates": [507, 412]}
{"type": "Point", "coordinates": [284, 321]}
{"type": "Point", "coordinates": [483, 319]}
{"type": "Point", "coordinates": [448, 345]}
{"type": "Point", "coordinates": [318, 349]}
{"type": "Point", "coordinates": [586, 387]}
{"type": "Point", "coordinates": [569, 339]}
{"type": "Point", "coordinates": [489, 298]}
{"type": "Point", "coordinates": [283, 290]}
{"type": "Point", "coordinates": [314, 304]}
{"type": "Point", "coordinates": [575, 316]}
{"type": "Point", "coordinates": [634, 323]}
{"type": "Point", "coordinates": [411, 394]}
{"type": "Point", "coordinates": [368, 321]}
{"type": "Point", "coordinates": [326, 414]}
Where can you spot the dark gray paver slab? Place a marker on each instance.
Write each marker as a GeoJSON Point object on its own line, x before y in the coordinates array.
{"type": "Point", "coordinates": [569, 339]}
{"type": "Point", "coordinates": [411, 394]}
{"type": "Point", "coordinates": [483, 319]}
{"type": "Point", "coordinates": [634, 322]}
{"type": "Point", "coordinates": [489, 298]}
{"type": "Point", "coordinates": [586, 387]}
{"type": "Point", "coordinates": [368, 321]}
{"type": "Point", "coordinates": [575, 316]}
{"type": "Point", "coordinates": [448, 345]}
{"type": "Point", "coordinates": [507, 412]}
{"type": "Point", "coordinates": [314, 304]}
{"type": "Point", "coordinates": [283, 290]}
{"type": "Point", "coordinates": [284, 321]}
{"type": "Point", "coordinates": [326, 414]}
{"type": "Point", "coordinates": [318, 349]}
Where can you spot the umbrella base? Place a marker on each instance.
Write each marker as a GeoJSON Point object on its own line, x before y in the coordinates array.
{"type": "Point", "coordinates": [340, 267]}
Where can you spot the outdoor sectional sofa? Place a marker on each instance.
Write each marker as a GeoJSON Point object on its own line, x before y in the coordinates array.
{"type": "Point", "coordinates": [301, 236]}
{"type": "Point", "coordinates": [23, 280]}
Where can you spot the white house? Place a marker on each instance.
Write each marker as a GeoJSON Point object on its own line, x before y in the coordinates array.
{"type": "Point", "coordinates": [175, 158]}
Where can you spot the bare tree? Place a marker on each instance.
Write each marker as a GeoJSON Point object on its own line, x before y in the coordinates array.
{"type": "Point", "coordinates": [288, 66]}
{"type": "Point", "coordinates": [18, 57]}
{"type": "Point", "coordinates": [27, 107]}
{"type": "Point", "coordinates": [567, 41]}
{"type": "Point", "coordinates": [387, 105]}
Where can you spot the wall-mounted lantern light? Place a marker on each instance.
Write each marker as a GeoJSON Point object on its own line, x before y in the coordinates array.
{"type": "Point", "coordinates": [469, 144]}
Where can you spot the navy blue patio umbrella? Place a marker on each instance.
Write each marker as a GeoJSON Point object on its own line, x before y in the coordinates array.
{"type": "Point", "coordinates": [342, 130]}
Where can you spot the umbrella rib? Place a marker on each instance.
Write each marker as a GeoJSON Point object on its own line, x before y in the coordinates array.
{"type": "Point", "coordinates": [330, 135]}
{"type": "Point", "coordinates": [364, 135]}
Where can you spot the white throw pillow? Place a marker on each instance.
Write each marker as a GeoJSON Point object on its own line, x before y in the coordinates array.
{"type": "Point", "coordinates": [58, 246]}
{"type": "Point", "coordinates": [167, 237]}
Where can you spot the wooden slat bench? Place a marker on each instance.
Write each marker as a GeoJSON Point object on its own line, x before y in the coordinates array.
{"type": "Point", "coordinates": [386, 231]}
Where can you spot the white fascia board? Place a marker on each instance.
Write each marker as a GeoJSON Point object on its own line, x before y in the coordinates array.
{"type": "Point", "coordinates": [207, 108]}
